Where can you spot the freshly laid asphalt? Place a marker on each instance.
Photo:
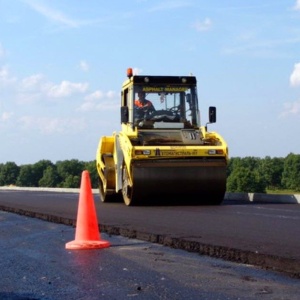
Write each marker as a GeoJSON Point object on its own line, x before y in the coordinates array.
{"type": "Point", "coordinates": [259, 233]}
{"type": "Point", "coordinates": [36, 266]}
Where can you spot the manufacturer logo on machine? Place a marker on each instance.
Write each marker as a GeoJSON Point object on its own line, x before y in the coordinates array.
{"type": "Point", "coordinates": [181, 152]}
{"type": "Point", "coordinates": [168, 89]}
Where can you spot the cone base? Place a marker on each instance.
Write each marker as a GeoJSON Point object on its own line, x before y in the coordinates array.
{"type": "Point", "coordinates": [87, 244]}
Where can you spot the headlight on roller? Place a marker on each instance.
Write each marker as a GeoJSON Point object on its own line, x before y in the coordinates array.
{"type": "Point", "coordinates": [142, 152]}
{"type": "Point", "coordinates": [215, 151]}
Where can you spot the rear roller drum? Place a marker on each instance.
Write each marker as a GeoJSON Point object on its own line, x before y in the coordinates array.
{"type": "Point", "coordinates": [127, 190]}
{"type": "Point", "coordinates": [106, 194]}
{"type": "Point", "coordinates": [106, 197]}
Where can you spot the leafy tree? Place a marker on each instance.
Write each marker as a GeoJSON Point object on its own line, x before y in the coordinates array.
{"type": "Point", "coordinates": [9, 173]}
{"type": "Point", "coordinates": [249, 174]}
{"type": "Point", "coordinates": [271, 169]}
{"type": "Point", "coordinates": [50, 177]}
{"type": "Point", "coordinates": [69, 171]}
{"type": "Point", "coordinates": [232, 163]}
{"type": "Point", "coordinates": [251, 162]}
{"type": "Point", "coordinates": [291, 172]}
{"type": "Point", "coordinates": [243, 179]}
{"type": "Point", "coordinates": [26, 176]}
{"type": "Point", "coordinates": [248, 162]}
{"type": "Point", "coordinates": [38, 170]}
{"type": "Point", "coordinates": [71, 181]}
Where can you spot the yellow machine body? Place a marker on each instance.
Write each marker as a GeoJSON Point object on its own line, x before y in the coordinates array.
{"type": "Point", "coordinates": [163, 156]}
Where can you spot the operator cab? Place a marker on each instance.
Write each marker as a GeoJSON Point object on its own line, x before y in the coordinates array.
{"type": "Point", "coordinates": [172, 106]}
{"type": "Point", "coordinates": [160, 102]}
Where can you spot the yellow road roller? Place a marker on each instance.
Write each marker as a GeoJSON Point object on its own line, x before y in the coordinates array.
{"type": "Point", "coordinates": [162, 155]}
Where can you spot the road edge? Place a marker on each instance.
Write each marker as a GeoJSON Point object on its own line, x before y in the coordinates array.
{"type": "Point", "coordinates": [288, 266]}
{"type": "Point", "coordinates": [242, 197]}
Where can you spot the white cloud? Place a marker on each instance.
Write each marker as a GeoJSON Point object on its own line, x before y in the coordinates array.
{"type": "Point", "coordinates": [87, 106]}
{"type": "Point", "coordinates": [94, 96]}
{"type": "Point", "coordinates": [47, 125]}
{"type": "Point", "coordinates": [203, 25]}
{"type": "Point", "coordinates": [66, 88]}
{"type": "Point", "coordinates": [36, 87]}
{"type": "Point", "coordinates": [3, 74]}
{"type": "Point", "coordinates": [100, 101]}
{"type": "Point", "coordinates": [84, 66]}
{"type": "Point", "coordinates": [111, 95]}
{"type": "Point", "coordinates": [32, 82]}
{"type": "Point", "coordinates": [291, 108]}
{"type": "Point", "coordinates": [5, 78]}
{"type": "Point", "coordinates": [52, 14]}
{"type": "Point", "coordinates": [31, 88]}
{"type": "Point", "coordinates": [297, 5]}
{"type": "Point", "coordinates": [295, 76]}
{"type": "Point", "coordinates": [5, 116]}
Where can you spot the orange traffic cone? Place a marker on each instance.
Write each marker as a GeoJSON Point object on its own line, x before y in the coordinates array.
{"type": "Point", "coordinates": [87, 234]}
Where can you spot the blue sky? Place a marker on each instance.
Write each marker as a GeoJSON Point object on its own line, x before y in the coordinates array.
{"type": "Point", "coordinates": [62, 64]}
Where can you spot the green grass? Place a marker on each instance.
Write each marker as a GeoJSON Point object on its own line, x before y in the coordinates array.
{"type": "Point", "coordinates": [282, 192]}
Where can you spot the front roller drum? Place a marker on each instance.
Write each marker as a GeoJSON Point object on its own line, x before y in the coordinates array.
{"type": "Point", "coordinates": [176, 182]}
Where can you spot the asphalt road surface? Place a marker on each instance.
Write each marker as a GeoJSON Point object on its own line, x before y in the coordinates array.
{"type": "Point", "coordinates": [265, 235]}
{"type": "Point", "coordinates": [36, 266]}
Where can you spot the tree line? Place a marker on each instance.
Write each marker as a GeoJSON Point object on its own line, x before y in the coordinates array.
{"type": "Point", "coordinates": [44, 173]}
{"type": "Point", "coordinates": [257, 175]}
{"type": "Point", "coordinates": [248, 174]}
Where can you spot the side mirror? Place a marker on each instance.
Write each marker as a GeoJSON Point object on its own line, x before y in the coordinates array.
{"type": "Point", "coordinates": [212, 114]}
{"type": "Point", "coordinates": [188, 98]}
{"type": "Point", "coordinates": [124, 114]}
